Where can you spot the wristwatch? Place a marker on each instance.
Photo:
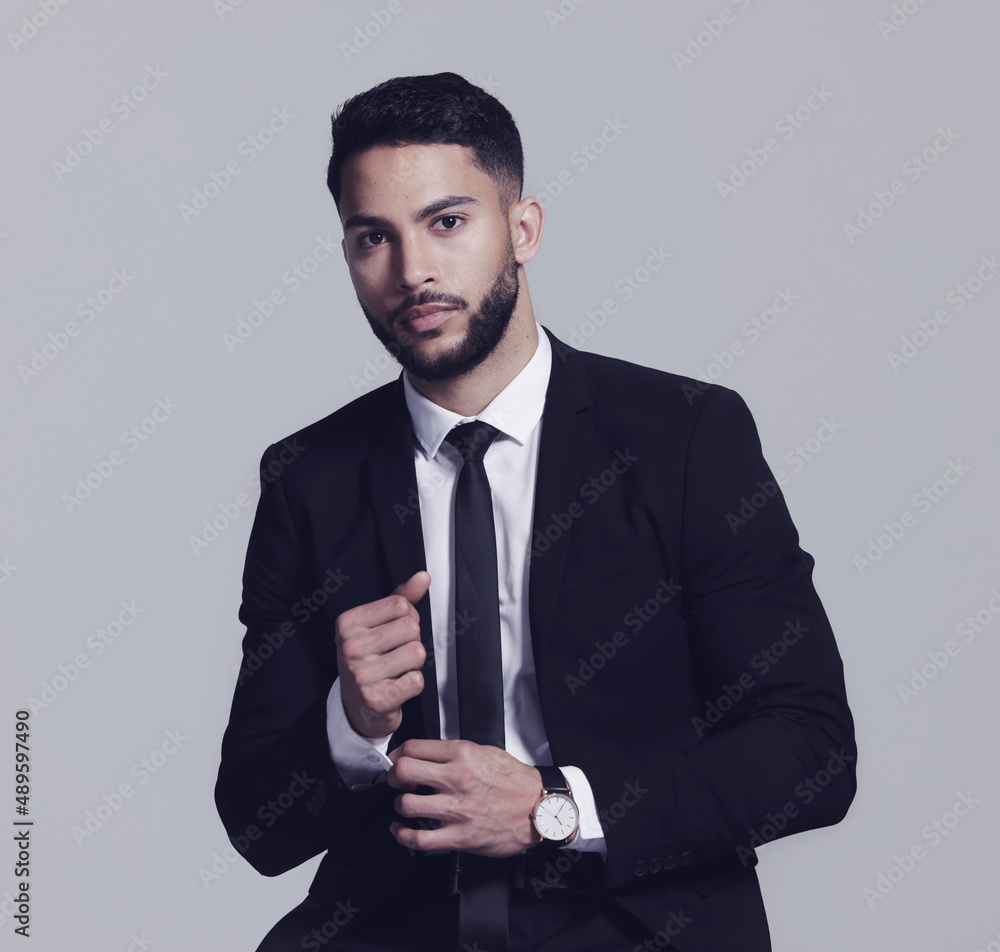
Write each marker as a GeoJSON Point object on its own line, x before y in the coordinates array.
{"type": "Point", "coordinates": [555, 816]}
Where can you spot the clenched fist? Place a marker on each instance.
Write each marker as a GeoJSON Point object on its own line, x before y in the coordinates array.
{"type": "Point", "coordinates": [379, 657]}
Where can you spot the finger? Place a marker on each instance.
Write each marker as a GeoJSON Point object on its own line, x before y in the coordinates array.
{"type": "Point", "coordinates": [435, 751]}
{"type": "Point", "coordinates": [407, 773]}
{"type": "Point", "coordinates": [421, 840]}
{"type": "Point", "coordinates": [415, 587]}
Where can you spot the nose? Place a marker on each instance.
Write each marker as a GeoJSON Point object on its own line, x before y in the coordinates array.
{"type": "Point", "coordinates": [416, 263]}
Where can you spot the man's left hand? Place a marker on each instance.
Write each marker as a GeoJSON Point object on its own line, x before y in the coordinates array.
{"type": "Point", "coordinates": [483, 797]}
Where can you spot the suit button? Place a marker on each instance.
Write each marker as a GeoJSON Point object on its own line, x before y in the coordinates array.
{"type": "Point", "coordinates": [670, 862]}
{"type": "Point", "coordinates": [685, 858]}
{"type": "Point", "coordinates": [640, 868]}
{"type": "Point", "coordinates": [656, 864]}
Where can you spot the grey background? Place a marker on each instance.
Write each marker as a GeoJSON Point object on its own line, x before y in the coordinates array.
{"type": "Point", "coordinates": [143, 872]}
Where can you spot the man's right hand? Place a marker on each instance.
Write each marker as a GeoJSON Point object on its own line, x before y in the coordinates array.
{"type": "Point", "coordinates": [379, 657]}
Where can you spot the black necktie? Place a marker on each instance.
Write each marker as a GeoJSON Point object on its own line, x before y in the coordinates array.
{"type": "Point", "coordinates": [482, 914]}
{"type": "Point", "coordinates": [477, 599]}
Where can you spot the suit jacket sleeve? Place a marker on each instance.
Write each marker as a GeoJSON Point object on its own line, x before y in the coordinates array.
{"type": "Point", "coordinates": [278, 793]}
{"type": "Point", "coordinates": [768, 747]}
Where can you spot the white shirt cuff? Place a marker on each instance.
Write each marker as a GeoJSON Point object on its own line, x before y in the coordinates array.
{"type": "Point", "coordinates": [590, 836]}
{"type": "Point", "coordinates": [360, 761]}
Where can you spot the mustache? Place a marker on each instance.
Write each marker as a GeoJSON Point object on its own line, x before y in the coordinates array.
{"type": "Point", "coordinates": [425, 297]}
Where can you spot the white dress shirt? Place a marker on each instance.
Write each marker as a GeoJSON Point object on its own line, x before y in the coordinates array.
{"type": "Point", "coordinates": [511, 466]}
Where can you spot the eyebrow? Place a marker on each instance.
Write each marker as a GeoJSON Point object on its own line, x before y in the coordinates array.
{"type": "Point", "coordinates": [428, 211]}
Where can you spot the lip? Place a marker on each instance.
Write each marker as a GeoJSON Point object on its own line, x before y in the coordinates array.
{"type": "Point", "coordinates": [426, 317]}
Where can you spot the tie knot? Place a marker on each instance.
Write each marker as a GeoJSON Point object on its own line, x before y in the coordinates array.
{"type": "Point", "coordinates": [472, 440]}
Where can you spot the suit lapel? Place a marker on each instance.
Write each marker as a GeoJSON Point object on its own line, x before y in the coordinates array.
{"type": "Point", "coordinates": [396, 507]}
{"type": "Point", "coordinates": [565, 437]}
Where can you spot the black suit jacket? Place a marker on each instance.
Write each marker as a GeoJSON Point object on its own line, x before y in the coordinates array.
{"type": "Point", "coordinates": [683, 658]}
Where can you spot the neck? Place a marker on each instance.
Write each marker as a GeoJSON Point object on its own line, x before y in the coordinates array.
{"type": "Point", "coordinates": [469, 394]}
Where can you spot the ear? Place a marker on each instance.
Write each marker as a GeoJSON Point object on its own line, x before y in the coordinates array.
{"type": "Point", "coordinates": [527, 222]}
{"type": "Point", "coordinates": [343, 247]}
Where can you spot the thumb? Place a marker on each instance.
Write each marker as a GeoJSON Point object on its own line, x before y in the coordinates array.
{"type": "Point", "coordinates": [415, 587]}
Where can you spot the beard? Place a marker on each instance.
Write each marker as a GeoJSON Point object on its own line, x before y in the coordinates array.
{"type": "Point", "coordinates": [487, 327]}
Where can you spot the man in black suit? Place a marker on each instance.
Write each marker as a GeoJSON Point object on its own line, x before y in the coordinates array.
{"type": "Point", "coordinates": [665, 683]}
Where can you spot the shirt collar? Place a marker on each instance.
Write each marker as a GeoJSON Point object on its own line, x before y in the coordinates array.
{"type": "Point", "coordinates": [514, 411]}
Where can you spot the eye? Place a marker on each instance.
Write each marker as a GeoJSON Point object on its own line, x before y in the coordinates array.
{"type": "Point", "coordinates": [449, 222]}
{"type": "Point", "coordinates": [371, 238]}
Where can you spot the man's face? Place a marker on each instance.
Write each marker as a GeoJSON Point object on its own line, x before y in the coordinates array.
{"type": "Point", "coordinates": [430, 255]}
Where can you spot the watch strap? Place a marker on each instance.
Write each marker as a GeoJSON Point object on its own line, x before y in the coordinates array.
{"type": "Point", "coordinates": [553, 779]}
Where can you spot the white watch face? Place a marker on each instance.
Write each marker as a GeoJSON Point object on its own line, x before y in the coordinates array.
{"type": "Point", "coordinates": [556, 817]}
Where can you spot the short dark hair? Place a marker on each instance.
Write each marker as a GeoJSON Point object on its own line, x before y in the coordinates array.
{"type": "Point", "coordinates": [443, 108]}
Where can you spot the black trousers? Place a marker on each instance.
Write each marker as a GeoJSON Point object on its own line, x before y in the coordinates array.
{"type": "Point", "coordinates": [557, 921]}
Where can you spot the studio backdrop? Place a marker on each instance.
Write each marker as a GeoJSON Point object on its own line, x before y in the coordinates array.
{"type": "Point", "coordinates": [798, 201]}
